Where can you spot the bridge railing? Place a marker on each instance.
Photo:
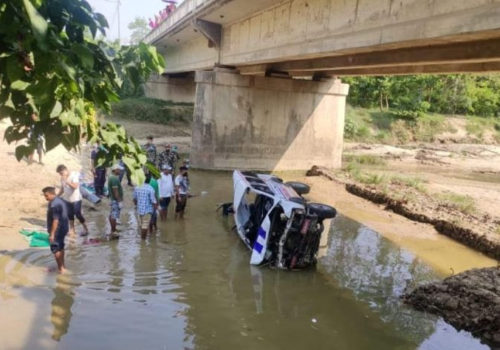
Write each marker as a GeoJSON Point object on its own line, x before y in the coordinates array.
{"type": "Point", "coordinates": [184, 10]}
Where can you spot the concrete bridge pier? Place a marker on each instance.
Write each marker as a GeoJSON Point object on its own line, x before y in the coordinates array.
{"type": "Point", "coordinates": [265, 123]}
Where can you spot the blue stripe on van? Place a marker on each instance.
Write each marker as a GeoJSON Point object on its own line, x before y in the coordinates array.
{"type": "Point", "coordinates": [257, 247]}
{"type": "Point", "coordinates": [262, 233]}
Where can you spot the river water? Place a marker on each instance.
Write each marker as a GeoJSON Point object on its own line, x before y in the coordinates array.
{"type": "Point", "coordinates": [191, 287]}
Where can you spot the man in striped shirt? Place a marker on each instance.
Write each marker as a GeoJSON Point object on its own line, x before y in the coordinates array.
{"type": "Point", "coordinates": [146, 205]}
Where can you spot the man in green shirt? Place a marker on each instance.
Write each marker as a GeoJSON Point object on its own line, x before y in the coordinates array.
{"type": "Point", "coordinates": [115, 197]}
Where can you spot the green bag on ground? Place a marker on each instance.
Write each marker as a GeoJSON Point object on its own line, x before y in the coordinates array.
{"type": "Point", "coordinates": [36, 238]}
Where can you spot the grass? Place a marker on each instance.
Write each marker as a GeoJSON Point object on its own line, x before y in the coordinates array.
{"type": "Point", "coordinates": [413, 182]}
{"type": "Point", "coordinates": [463, 203]}
{"type": "Point", "coordinates": [364, 159]}
{"type": "Point", "coordinates": [354, 171]}
{"type": "Point", "coordinates": [153, 110]}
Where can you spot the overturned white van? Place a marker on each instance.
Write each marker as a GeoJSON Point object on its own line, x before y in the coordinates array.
{"type": "Point", "coordinates": [275, 222]}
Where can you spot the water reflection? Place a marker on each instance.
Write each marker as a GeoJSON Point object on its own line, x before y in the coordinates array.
{"type": "Point", "coordinates": [377, 272]}
{"type": "Point", "coordinates": [61, 306]}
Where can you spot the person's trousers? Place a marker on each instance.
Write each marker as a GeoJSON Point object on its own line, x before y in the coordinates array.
{"type": "Point", "coordinates": [99, 181]}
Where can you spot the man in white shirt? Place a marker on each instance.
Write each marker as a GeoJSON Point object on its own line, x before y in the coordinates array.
{"type": "Point", "coordinates": [70, 193]}
{"type": "Point", "coordinates": [181, 192]}
{"type": "Point", "coordinates": [166, 190]}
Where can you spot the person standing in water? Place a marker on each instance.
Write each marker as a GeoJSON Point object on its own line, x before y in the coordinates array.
{"type": "Point", "coordinates": [98, 171]}
{"type": "Point", "coordinates": [146, 204]}
{"type": "Point", "coordinates": [166, 190]}
{"type": "Point", "coordinates": [181, 192]}
{"type": "Point", "coordinates": [70, 193]}
{"type": "Point", "coordinates": [57, 225]}
{"type": "Point", "coordinates": [153, 225]}
{"type": "Point", "coordinates": [115, 197]}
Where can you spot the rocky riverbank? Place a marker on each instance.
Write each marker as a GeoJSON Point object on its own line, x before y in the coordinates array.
{"type": "Point", "coordinates": [469, 301]}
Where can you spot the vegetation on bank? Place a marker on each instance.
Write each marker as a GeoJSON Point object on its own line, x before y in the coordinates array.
{"type": "Point", "coordinates": [402, 109]}
{"type": "Point", "coordinates": [153, 110]}
{"type": "Point", "coordinates": [463, 94]}
{"type": "Point", "coordinates": [396, 127]}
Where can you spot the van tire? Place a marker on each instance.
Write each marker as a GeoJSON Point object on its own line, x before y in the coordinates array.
{"type": "Point", "coordinates": [322, 210]}
{"type": "Point", "coordinates": [299, 187]}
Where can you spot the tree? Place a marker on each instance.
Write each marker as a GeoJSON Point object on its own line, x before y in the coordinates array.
{"type": "Point", "coordinates": [139, 28]}
{"type": "Point", "coordinates": [54, 74]}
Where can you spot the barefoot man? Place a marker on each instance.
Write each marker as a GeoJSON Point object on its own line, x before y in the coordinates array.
{"type": "Point", "coordinates": [181, 192]}
{"type": "Point", "coordinates": [116, 197]}
{"type": "Point", "coordinates": [70, 193]}
{"type": "Point", "coordinates": [57, 225]}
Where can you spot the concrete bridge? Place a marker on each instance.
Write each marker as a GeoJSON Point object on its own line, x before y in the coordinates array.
{"type": "Point", "coordinates": [263, 74]}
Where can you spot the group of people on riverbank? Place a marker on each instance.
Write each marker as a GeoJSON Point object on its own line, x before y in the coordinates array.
{"type": "Point", "coordinates": [154, 195]}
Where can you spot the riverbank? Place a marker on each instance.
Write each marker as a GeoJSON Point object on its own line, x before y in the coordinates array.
{"type": "Point", "coordinates": [454, 188]}
{"type": "Point", "coordinates": [21, 183]}
{"type": "Point", "coordinates": [469, 301]}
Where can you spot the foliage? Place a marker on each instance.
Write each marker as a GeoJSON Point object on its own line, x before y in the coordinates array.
{"type": "Point", "coordinates": [139, 27]}
{"type": "Point", "coordinates": [392, 127]}
{"type": "Point", "coordinates": [153, 110]}
{"type": "Point", "coordinates": [447, 94]}
{"type": "Point", "coordinates": [55, 74]}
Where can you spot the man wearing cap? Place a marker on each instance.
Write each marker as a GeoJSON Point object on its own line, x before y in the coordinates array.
{"type": "Point", "coordinates": [116, 197]}
{"type": "Point", "coordinates": [181, 192]}
{"type": "Point", "coordinates": [166, 189]}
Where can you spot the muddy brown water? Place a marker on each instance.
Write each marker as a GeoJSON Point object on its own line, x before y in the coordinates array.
{"type": "Point", "coordinates": [191, 287]}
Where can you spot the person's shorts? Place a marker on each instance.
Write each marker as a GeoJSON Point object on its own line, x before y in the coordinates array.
{"type": "Point", "coordinates": [181, 202]}
{"type": "Point", "coordinates": [39, 147]}
{"type": "Point", "coordinates": [115, 210]}
{"type": "Point", "coordinates": [144, 221]}
{"type": "Point", "coordinates": [74, 208]}
{"type": "Point", "coordinates": [154, 218]}
{"type": "Point", "coordinates": [164, 202]}
{"type": "Point", "coordinates": [58, 243]}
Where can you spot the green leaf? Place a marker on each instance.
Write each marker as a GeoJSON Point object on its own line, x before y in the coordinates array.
{"type": "Point", "coordinates": [153, 169]}
{"type": "Point", "coordinates": [129, 162]}
{"type": "Point", "coordinates": [22, 151]}
{"type": "Point", "coordinates": [85, 55]}
{"type": "Point", "coordinates": [142, 158]}
{"type": "Point", "coordinates": [56, 111]}
{"type": "Point", "coordinates": [137, 176]}
{"type": "Point", "coordinates": [38, 23]}
{"type": "Point", "coordinates": [14, 69]}
{"type": "Point", "coordinates": [70, 71]}
{"type": "Point", "coordinates": [19, 85]}
{"type": "Point", "coordinates": [69, 118]}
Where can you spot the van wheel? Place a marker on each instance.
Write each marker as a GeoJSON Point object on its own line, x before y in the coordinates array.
{"type": "Point", "coordinates": [299, 187]}
{"type": "Point", "coordinates": [322, 210]}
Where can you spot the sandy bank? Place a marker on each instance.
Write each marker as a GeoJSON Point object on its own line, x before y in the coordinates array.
{"type": "Point", "coordinates": [445, 255]}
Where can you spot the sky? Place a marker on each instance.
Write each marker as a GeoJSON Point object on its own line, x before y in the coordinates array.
{"type": "Point", "coordinates": [129, 9]}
